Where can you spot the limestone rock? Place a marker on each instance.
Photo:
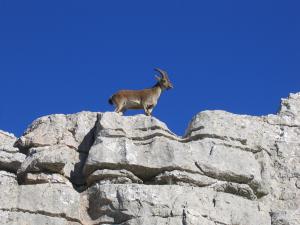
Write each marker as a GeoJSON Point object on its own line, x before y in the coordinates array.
{"type": "Point", "coordinates": [286, 217]}
{"type": "Point", "coordinates": [7, 178]}
{"type": "Point", "coordinates": [54, 159]}
{"type": "Point", "coordinates": [74, 131]}
{"type": "Point", "coordinates": [10, 157]}
{"type": "Point", "coordinates": [243, 190]}
{"type": "Point", "coordinates": [7, 141]}
{"type": "Point", "coordinates": [54, 200]}
{"type": "Point", "coordinates": [123, 203]}
{"type": "Point", "coordinates": [113, 176]}
{"type": "Point", "coordinates": [147, 158]}
{"type": "Point", "coordinates": [290, 110]}
{"type": "Point", "coordinates": [248, 133]}
{"type": "Point", "coordinates": [103, 168]}
{"type": "Point", "coordinates": [40, 178]}
{"type": "Point", "coordinates": [16, 217]}
{"type": "Point", "coordinates": [58, 144]}
{"type": "Point", "coordinates": [182, 177]}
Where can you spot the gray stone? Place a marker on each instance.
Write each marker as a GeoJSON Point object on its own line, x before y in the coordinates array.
{"type": "Point", "coordinates": [58, 144]}
{"type": "Point", "coordinates": [116, 175]}
{"type": "Point", "coordinates": [138, 128]}
{"type": "Point", "coordinates": [164, 153]}
{"type": "Point", "coordinates": [123, 203]}
{"type": "Point", "coordinates": [290, 110]}
{"type": "Point", "coordinates": [10, 157]}
{"type": "Point", "coordinates": [186, 218]}
{"type": "Point", "coordinates": [40, 178]}
{"type": "Point", "coordinates": [56, 200]}
{"type": "Point", "coordinates": [7, 178]}
{"type": "Point", "coordinates": [243, 190]}
{"type": "Point", "coordinates": [11, 161]}
{"type": "Point", "coordinates": [72, 130]}
{"type": "Point", "coordinates": [7, 141]}
{"type": "Point", "coordinates": [182, 177]}
{"type": "Point", "coordinates": [29, 218]}
{"type": "Point", "coordinates": [298, 183]}
{"type": "Point", "coordinates": [103, 168]}
{"type": "Point", "coordinates": [285, 217]}
{"type": "Point", "coordinates": [249, 133]}
{"type": "Point", "coordinates": [52, 159]}
{"type": "Point", "coordinates": [230, 164]}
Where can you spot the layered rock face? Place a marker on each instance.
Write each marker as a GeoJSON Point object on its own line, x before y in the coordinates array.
{"type": "Point", "coordinates": [101, 168]}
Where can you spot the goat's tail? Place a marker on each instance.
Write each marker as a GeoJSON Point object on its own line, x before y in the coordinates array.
{"type": "Point", "coordinates": [110, 101]}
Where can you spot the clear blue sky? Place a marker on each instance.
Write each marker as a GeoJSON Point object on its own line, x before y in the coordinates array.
{"type": "Point", "coordinates": [69, 56]}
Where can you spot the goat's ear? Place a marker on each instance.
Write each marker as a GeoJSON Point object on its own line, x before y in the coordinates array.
{"type": "Point", "coordinates": [158, 78]}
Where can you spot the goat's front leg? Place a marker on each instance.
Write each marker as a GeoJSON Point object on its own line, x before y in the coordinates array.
{"type": "Point", "coordinates": [148, 109]}
{"type": "Point", "coordinates": [119, 110]}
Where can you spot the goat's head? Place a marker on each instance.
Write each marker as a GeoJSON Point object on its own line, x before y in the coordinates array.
{"type": "Point", "coordinates": [163, 80]}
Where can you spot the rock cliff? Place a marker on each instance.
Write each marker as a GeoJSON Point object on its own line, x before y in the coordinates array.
{"type": "Point", "coordinates": [101, 168]}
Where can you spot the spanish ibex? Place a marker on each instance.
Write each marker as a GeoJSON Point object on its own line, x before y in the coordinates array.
{"type": "Point", "coordinates": [141, 99]}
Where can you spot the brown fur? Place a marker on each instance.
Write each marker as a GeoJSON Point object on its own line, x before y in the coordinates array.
{"type": "Point", "coordinates": [140, 99]}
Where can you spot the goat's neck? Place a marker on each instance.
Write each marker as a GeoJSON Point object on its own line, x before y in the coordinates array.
{"type": "Point", "coordinates": [157, 90]}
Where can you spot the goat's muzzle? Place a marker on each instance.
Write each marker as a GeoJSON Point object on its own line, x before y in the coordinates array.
{"type": "Point", "coordinates": [170, 87]}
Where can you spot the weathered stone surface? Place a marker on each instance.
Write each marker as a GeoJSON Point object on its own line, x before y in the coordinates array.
{"type": "Point", "coordinates": [10, 157]}
{"type": "Point", "coordinates": [248, 133]}
{"type": "Point", "coordinates": [58, 144]}
{"type": "Point", "coordinates": [147, 159]}
{"type": "Point", "coordinates": [11, 161]}
{"type": "Point", "coordinates": [70, 130]}
{"type": "Point", "coordinates": [7, 141]}
{"type": "Point", "coordinates": [29, 218]}
{"type": "Point", "coordinates": [119, 204]}
{"type": "Point", "coordinates": [227, 163]}
{"type": "Point", "coordinates": [182, 177]}
{"type": "Point", "coordinates": [290, 110]}
{"type": "Point", "coordinates": [55, 200]}
{"type": "Point", "coordinates": [242, 190]}
{"type": "Point", "coordinates": [286, 217]}
{"type": "Point", "coordinates": [40, 178]}
{"type": "Point", "coordinates": [114, 176]}
{"type": "Point", "coordinates": [103, 168]}
{"type": "Point", "coordinates": [188, 219]}
{"type": "Point", "coordinates": [54, 159]}
{"type": "Point", "coordinates": [145, 127]}
{"type": "Point", "coordinates": [7, 178]}
{"type": "Point", "coordinates": [198, 180]}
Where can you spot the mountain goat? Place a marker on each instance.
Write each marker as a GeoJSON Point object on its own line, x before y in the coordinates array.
{"type": "Point", "coordinates": [141, 99]}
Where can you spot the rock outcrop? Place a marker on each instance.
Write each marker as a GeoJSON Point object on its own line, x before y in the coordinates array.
{"type": "Point", "coordinates": [102, 168]}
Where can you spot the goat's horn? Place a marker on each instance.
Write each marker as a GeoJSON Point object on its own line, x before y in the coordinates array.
{"type": "Point", "coordinates": [162, 73]}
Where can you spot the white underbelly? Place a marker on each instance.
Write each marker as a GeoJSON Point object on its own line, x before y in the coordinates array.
{"type": "Point", "coordinates": [133, 104]}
